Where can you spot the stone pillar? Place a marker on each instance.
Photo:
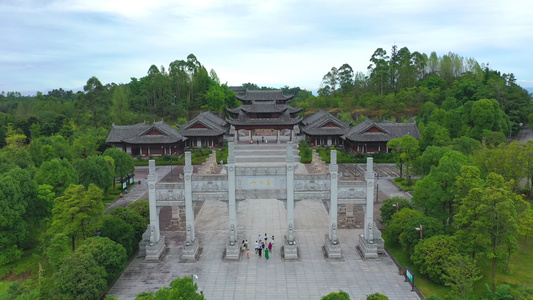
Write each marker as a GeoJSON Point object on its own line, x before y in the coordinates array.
{"type": "Point", "coordinates": [154, 217]}
{"type": "Point", "coordinates": [290, 249]}
{"type": "Point", "coordinates": [237, 135]}
{"type": "Point", "coordinates": [332, 245]}
{"type": "Point", "coordinates": [290, 136]}
{"type": "Point", "coordinates": [277, 137]}
{"type": "Point", "coordinates": [369, 212]}
{"type": "Point", "coordinates": [232, 246]}
{"type": "Point", "coordinates": [368, 245]}
{"type": "Point", "coordinates": [155, 245]}
{"type": "Point", "coordinates": [191, 247]}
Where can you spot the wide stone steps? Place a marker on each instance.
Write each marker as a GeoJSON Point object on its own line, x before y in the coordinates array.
{"type": "Point", "coordinates": [263, 153]}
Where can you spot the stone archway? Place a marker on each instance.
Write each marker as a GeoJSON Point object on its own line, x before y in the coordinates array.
{"type": "Point", "coordinates": [244, 182]}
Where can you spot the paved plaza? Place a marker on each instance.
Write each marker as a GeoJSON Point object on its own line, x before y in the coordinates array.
{"type": "Point", "coordinates": [310, 277]}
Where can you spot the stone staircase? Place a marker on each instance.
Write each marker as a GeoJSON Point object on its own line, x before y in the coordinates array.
{"type": "Point", "coordinates": [263, 154]}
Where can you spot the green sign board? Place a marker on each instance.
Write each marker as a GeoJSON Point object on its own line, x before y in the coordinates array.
{"type": "Point", "coordinates": [409, 275]}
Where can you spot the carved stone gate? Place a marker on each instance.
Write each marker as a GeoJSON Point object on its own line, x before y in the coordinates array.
{"type": "Point", "coordinates": [268, 182]}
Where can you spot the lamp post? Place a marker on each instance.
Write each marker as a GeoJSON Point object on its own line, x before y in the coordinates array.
{"type": "Point", "coordinates": [194, 276]}
{"type": "Point", "coordinates": [421, 229]}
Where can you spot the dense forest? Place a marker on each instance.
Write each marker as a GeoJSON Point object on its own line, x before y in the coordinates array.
{"type": "Point", "coordinates": [56, 169]}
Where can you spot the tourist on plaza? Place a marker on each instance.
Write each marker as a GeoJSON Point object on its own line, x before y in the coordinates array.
{"type": "Point", "coordinates": [270, 246]}
{"type": "Point", "coordinates": [266, 253]}
{"type": "Point", "coordinates": [266, 237]}
{"type": "Point", "coordinates": [256, 247]}
{"type": "Point", "coordinates": [246, 244]}
{"type": "Point", "coordinates": [272, 241]}
{"type": "Point", "coordinates": [259, 251]}
{"type": "Point", "coordinates": [260, 239]}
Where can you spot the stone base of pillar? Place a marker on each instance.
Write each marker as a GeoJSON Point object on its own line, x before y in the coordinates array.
{"type": "Point", "coordinates": [367, 249]}
{"type": "Point", "coordinates": [332, 250]}
{"type": "Point", "coordinates": [191, 253]}
{"type": "Point", "coordinates": [290, 250]}
{"type": "Point", "coordinates": [154, 251]}
{"type": "Point", "coordinates": [232, 252]}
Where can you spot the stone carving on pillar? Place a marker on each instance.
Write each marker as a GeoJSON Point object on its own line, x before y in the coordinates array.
{"type": "Point", "coordinates": [188, 240]}
{"type": "Point", "coordinates": [290, 237]}
{"type": "Point", "coordinates": [334, 238]}
{"type": "Point", "coordinates": [290, 249]}
{"type": "Point", "coordinates": [232, 235]}
{"type": "Point", "coordinates": [152, 235]}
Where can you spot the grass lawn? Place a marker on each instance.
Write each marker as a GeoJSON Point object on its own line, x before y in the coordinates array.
{"type": "Point", "coordinates": [521, 270]}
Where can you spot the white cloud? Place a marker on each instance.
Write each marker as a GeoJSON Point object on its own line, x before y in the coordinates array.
{"type": "Point", "coordinates": [52, 44]}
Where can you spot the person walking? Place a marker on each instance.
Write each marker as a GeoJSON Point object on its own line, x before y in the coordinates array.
{"type": "Point", "coordinates": [270, 247]}
{"type": "Point", "coordinates": [266, 237]}
{"type": "Point", "coordinates": [256, 247]}
{"type": "Point", "coordinates": [266, 253]}
{"type": "Point", "coordinates": [259, 251]}
{"type": "Point", "coordinates": [272, 242]}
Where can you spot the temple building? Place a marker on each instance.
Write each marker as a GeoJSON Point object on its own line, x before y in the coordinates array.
{"type": "Point", "coordinates": [207, 130]}
{"type": "Point", "coordinates": [369, 136]}
{"type": "Point", "coordinates": [264, 110]}
{"type": "Point", "coordinates": [323, 129]}
{"type": "Point", "coordinates": [144, 139]}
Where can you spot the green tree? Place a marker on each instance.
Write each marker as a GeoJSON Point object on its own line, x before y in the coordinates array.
{"type": "Point", "coordinates": [118, 231]}
{"type": "Point", "coordinates": [57, 248]}
{"type": "Point", "coordinates": [13, 228]}
{"type": "Point", "coordinates": [427, 227]}
{"type": "Point", "coordinates": [58, 173]}
{"type": "Point", "coordinates": [460, 274]}
{"type": "Point", "coordinates": [431, 255]}
{"type": "Point", "coordinates": [142, 207]}
{"type": "Point", "coordinates": [76, 212]}
{"type": "Point", "coordinates": [525, 225]}
{"type": "Point", "coordinates": [133, 218]}
{"type": "Point", "coordinates": [96, 170]}
{"type": "Point", "coordinates": [124, 164]}
{"type": "Point", "coordinates": [107, 253]}
{"type": "Point", "coordinates": [434, 192]}
{"type": "Point", "coordinates": [340, 295]}
{"type": "Point", "coordinates": [180, 288]}
{"type": "Point", "coordinates": [397, 224]}
{"type": "Point", "coordinates": [80, 277]}
{"type": "Point", "coordinates": [507, 160]}
{"type": "Point", "coordinates": [405, 151]}
{"type": "Point", "coordinates": [391, 206]}
{"type": "Point", "coordinates": [487, 221]}
{"type": "Point", "coordinates": [377, 296]}
{"type": "Point", "coordinates": [95, 101]}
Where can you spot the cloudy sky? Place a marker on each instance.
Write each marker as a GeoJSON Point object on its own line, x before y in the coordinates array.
{"type": "Point", "coordinates": [47, 44]}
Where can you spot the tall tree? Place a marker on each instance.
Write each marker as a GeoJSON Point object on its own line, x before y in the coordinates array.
{"type": "Point", "coordinates": [58, 173]}
{"type": "Point", "coordinates": [124, 164]}
{"type": "Point", "coordinates": [13, 227]}
{"type": "Point", "coordinates": [487, 221]}
{"type": "Point", "coordinates": [76, 212]}
{"type": "Point", "coordinates": [95, 101]}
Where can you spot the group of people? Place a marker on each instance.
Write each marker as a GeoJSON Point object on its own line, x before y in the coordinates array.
{"type": "Point", "coordinates": [257, 141]}
{"type": "Point", "coordinates": [261, 245]}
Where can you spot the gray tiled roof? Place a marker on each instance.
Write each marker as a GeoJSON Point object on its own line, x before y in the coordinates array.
{"type": "Point", "coordinates": [136, 134]}
{"type": "Point", "coordinates": [214, 126]}
{"type": "Point", "coordinates": [389, 131]}
{"type": "Point", "coordinates": [313, 124]}
{"type": "Point", "coordinates": [264, 95]}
